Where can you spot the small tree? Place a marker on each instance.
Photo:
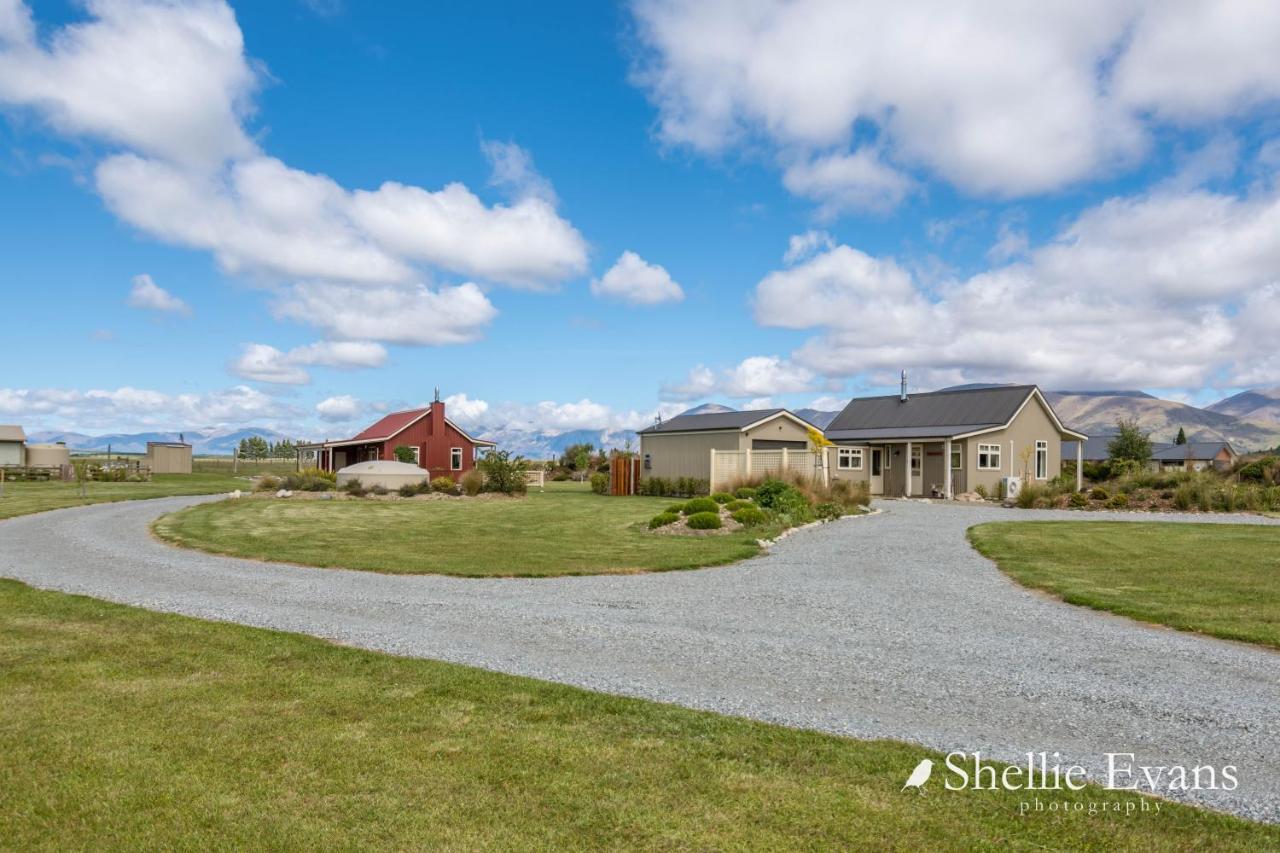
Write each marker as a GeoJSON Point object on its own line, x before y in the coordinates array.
{"type": "Point", "coordinates": [503, 472]}
{"type": "Point", "coordinates": [1130, 442]}
{"type": "Point", "coordinates": [1182, 436]}
{"type": "Point", "coordinates": [818, 444]}
{"type": "Point", "coordinates": [582, 461]}
{"type": "Point", "coordinates": [404, 453]}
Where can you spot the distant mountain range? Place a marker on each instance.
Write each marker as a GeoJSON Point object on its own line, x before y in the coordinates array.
{"type": "Point", "coordinates": [204, 442]}
{"type": "Point", "coordinates": [1250, 420]}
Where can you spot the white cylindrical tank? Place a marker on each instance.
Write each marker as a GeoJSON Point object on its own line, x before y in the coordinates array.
{"type": "Point", "coordinates": [390, 475]}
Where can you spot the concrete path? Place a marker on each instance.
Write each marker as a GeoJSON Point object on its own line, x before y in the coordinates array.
{"type": "Point", "coordinates": [884, 626]}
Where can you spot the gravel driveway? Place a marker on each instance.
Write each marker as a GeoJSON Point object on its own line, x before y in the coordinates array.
{"type": "Point", "coordinates": [885, 626]}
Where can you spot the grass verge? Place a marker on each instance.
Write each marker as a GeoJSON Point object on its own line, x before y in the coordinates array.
{"type": "Point", "coordinates": [561, 531]}
{"type": "Point", "coordinates": [22, 498]}
{"type": "Point", "coordinates": [124, 728]}
{"type": "Point", "coordinates": [1217, 579]}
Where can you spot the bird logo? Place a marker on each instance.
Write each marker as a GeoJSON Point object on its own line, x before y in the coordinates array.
{"type": "Point", "coordinates": [920, 775]}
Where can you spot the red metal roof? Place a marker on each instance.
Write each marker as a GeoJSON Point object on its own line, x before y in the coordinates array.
{"type": "Point", "coordinates": [390, 425]}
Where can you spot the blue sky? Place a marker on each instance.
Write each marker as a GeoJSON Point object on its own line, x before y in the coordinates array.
{"type": "Point", "coordinates": [568, 216]}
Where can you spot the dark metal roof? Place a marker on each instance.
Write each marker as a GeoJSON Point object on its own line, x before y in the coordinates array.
{"type": "Point", "coordinates": [904, 432]}
{"type": "Point", "coordinates": [714, 421]}
{"type": "Point", "coordinates": [948, 412]}
{"type": "Point", "coordinates": [1095, 449]}
{"type": "Point", "coordinates": [1198, 450]}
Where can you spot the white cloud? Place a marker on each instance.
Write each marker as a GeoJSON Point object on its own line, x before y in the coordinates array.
{"type": "Point", "coordinates": [828, 403]}
{"type": "Point", "coordinates": [265, 363]}
{"type": "Point", "coordinates": [1011, 242]}
{"type": "Point", "coordinates": [168, 79]}
{"type": "Point", "coordinates": [758, 403]}
{"type": "Point", "coordinates": [338, 409]}
{"type": "Point", "coordinates": [139, 408]}
{"type": "Point", "coordinates": [461, 408]}
{"type": "Point", "coordinates": [756, 376]}
{"type": "Point", "coordinates": [638, 282]}
{"type": "Point", "coordinates": [149, 296]}
{"type": "Point", "coordinates": [170, 83]}
{"type": "Point", "coordinates": [1093, 79]}
{"type": "Point", "coordinates": [513, 171]}
{"type": "Point", "coordinates": [413, 315]}
{"type": "Point", "coordinates": [848, 182]}
{"type": "Point", "coordinates": [804, 245]}
{"type": "Point", "coordinates": [1161, 290]}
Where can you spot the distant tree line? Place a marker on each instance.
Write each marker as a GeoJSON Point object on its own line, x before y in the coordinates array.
{"type": "Point", "coordinates": [256, 448]}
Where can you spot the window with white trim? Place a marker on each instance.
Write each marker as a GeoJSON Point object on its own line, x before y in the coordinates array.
{"type": "Point", "coordinates": [917, 456]}
{"type": "Point", "coordinates": [957, 459]}
{"type": "Point", "coordinates": [849, 459]}
{"type": "Point", "coordinates": [1042, 460]}
{"type": "Point", "coordinates": [988, 457]}
{"type": "Point", "coordinates": [455, 458]}
{"type": "Point", "coordinates": [416, 453]}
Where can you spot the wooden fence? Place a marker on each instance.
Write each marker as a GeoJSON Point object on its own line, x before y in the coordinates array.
{"type": "Point", "coordinates": [728, 466]}
{"type": "Point", "coordinates": [624, 474]}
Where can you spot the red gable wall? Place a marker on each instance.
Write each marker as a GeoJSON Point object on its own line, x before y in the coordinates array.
{"type": "Point", "coordinates": [434, 437]}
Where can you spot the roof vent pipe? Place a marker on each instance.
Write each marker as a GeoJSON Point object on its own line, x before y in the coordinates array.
{"type": "Point", "coordinates": [903, 395]}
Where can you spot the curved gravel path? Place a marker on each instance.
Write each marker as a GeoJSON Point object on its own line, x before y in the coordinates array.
{"type": "Point", "coordinates": [882, 626]}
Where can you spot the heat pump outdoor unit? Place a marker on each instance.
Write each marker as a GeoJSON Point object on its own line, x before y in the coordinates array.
{"type": "Point", "coordinates": [1012, 485]}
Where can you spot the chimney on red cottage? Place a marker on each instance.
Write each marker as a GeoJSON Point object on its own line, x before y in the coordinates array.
{"type": "Point", "coordinates": [437, 415]}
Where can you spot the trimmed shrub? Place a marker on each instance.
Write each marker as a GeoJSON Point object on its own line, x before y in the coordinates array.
{"type": "Point", "coordinates": [267, 483]}
{"type": "Point", "coordinates": [1099, 494]}
{"type": "Point", "coordinates": [1078, 499]}
{"type": "Point", "coordinates": [424, 487]}
{"type": "Point", "coordinates": [734, 506]}
{"type": "Point", "coordinates": [676, 508]}
{"type": "Point", "coordinates": [560, 477]}
{"type": "Point", "coordinates": [704, 520]}
{"type": "Point", "coordinates": [828, 511]}
{"type": "Point", "coordinates": [745, 493]}
{"type": "Point", "coordinates": [444, 485]}
{"type": "Point", "coordinates": [698, 505]}
{"type": "Point", "coordinates": [1118, 502]}
{"type": "Point", "coordinates": [354, 487]}
{"type": "Point", "coordinates": [379, 489]}
{"type": "Point", "coordinates": [600, 483]}
{"type": "Point", "coordinates": [750, 515]}
{"type": "Point", "coordinates": [310, 480]}
{"type": "Point", "coordinates": [472, 482]}
{"type": "Point", "coordinates": [408, 490]}
{"type": "Point", "coordinates": [662, 519]}
{"type": "Point", "coordinates": [722, 497]}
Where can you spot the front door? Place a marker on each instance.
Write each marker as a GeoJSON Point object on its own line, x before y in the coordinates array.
{"type": "Point", "coordinates": [877, 471]}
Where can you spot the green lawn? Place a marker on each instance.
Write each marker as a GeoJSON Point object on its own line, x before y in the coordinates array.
{"type": "Point", "coordinates": [127, 729]}
{"type": "Point", "coordinates": [1218, 579]}
{"type": "Point", "coordinates": [23, 498]}
{"type": "Point", "coordinates": [566, 530]}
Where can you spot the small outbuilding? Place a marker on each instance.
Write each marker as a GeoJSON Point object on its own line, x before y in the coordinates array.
{"type": "Point", "coordinates": [389, 475]}
{"type": "Point", "coordinates": [12, 445]}
{"type": "Point", "coordinates": [169, 457]}
{"type": "Point", "coordinates": [685, 445]}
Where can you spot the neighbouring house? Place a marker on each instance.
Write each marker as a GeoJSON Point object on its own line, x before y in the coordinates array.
{"type": "Point", "coordinates": [169, 457]}
{"type": "Point", "coordinates": [686, 445]}
{"type": "Point", "coordinates": [13, 445]}
{"type": "Point", "coordinates": [437, 444]}
{"type": "Point", "coordinates": [1193, 456]}
{"type": "Point", "coordinates": [944, 443]}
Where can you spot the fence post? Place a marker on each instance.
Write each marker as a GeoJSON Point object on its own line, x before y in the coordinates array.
{"type": "Point", "coordinates": [711, 480]}
{"type": "Point", "coordinates": [786, 467]}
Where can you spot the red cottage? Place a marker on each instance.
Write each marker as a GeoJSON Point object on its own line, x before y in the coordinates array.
{"type": "Point", "coordinates": [438, 444]}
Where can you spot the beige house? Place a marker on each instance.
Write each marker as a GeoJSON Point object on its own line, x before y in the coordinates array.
{"type": "Point", "coordinates": [686, 445]}
{"type": "Point", "coordinates": [1194, 456]}
{"type": "Point", "coordinates": [944, 443]}
{"type": "Point", "coordinates": [168, 457]}
{"type": "Point", "coordinates": [13, 443]}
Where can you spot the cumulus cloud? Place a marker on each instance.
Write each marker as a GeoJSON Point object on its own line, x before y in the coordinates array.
{"type": "Point", "coordinates": [1093, 80]}
{"type": "Point", "coordinates": [338, 409]}
{"type": "Point", "coordinates": [149, 296]}
{"type": "Point", "coordinates": [265, 363]}
{"type": "Point", "coordinates": [171, 84]}
{"type": "Point", "coordinates": [634, 280]}
{"type": "Point", "coordinates": [167, 79]}
{"type": "Point", "coordinates": [804, 245]}
{"type": "Point", "coordinates": [848, 182]}
{"type": "Point", "coordinates": [757, 376]}
{"type": "Point", "coordinates": [1159, 290]}
{"type": "Point", "coordinates": [414, 315]}
{"type": "Point", "coordinates": [463, 409]}
{"type": "Point", "coordinates": [140, 408]}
